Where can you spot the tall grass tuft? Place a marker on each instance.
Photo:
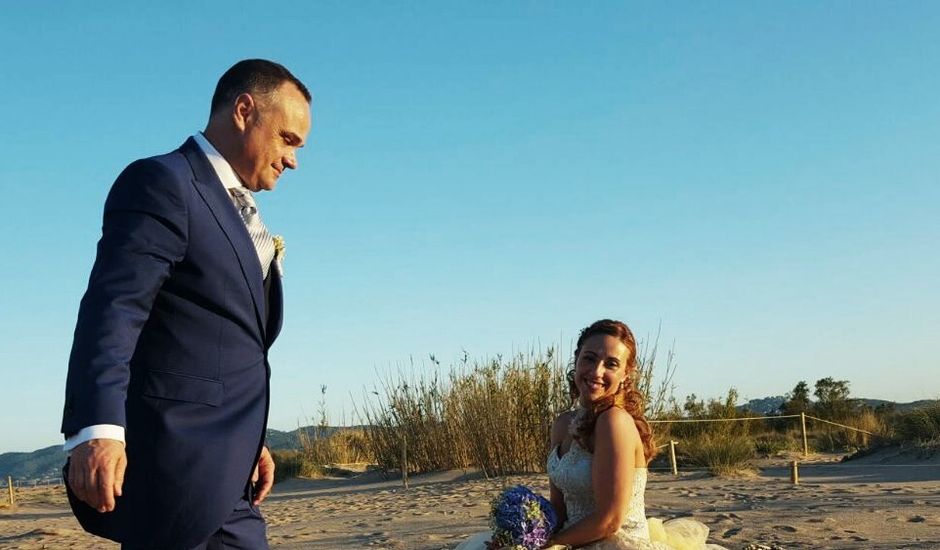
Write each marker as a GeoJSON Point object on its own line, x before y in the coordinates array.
{"type": "Point", "coordinates": [918, 426]}
{"type": "Point", "coordinates": [342, 446]}
{"type": "Point", "coordinates": [721, 454]}
{"type": "Point", "coordinates": [772, 443]}
{"type": "Point", "coordinates": [322, 446]}
{"type": "Point", "coordinates": [504, 410]}
{"type": "Point", "coordinates": [654, 378]}
{"type": "Point", "coordinates": [493, 414]}
{"type": "Point", "coordinates": [828, 438]}
{"type": "Point", "coordinates": [319, 450]}
{"type": "Point", "coordinates": [287, 464]}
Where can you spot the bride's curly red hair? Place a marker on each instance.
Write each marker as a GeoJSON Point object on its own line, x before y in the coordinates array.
{"type": "Point", "coordinates": [627, 397]}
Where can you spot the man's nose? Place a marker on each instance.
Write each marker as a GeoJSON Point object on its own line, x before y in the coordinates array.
{"type": "Point", "coordinates": [290, 160]}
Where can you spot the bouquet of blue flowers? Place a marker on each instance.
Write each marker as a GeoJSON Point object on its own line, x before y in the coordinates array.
{"type": "Point", "coordinates": [521, 520]}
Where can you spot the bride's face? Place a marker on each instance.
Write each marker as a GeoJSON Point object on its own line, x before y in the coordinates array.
{"type": "Point", "coordinates": [601, 367]}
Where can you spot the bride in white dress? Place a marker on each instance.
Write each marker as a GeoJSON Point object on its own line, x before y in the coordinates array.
{"type": "Point", "coordinates": [597, 465]}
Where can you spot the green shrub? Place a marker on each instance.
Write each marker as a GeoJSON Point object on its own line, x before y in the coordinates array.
{"type": "Point", "coordinates": [342, 446]}
{"type": "Point", "coordinates": [918, 426]}
{"type": "Point", "coordinates": [697, 409]}
{"type": "Point", "coordinates": [773, 443]}
{"type": "Point", "coordinates": [721, 454]}
{"type": "Point", "coordinates": [286, 464]}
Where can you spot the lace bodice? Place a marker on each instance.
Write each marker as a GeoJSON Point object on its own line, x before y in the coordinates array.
{"type": "Point", "coordinates": [572, 475]}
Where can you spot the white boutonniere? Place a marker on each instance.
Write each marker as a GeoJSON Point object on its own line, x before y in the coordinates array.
{"type": "Point", "coordinates": [280, 249]}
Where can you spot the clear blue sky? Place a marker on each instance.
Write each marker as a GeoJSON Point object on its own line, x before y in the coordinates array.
{"type": "Point", "coordinates": [761, 178]}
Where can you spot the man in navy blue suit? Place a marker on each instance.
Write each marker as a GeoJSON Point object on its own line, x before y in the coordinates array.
{"type": "Point", "coordinates": [167, 395]}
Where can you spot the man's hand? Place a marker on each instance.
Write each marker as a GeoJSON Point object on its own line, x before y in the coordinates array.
{"type": "Point", "coordinates": [264, 471]}
{"type": "Point", "coordinates": [96, 472]}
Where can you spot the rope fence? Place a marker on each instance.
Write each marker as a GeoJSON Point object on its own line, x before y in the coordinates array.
{"type": "Point", "coordinates": [839, 425]}
{"type": "Point", "coordinates": [801, 416]}
{"type": "Point", "coordinates": [692, 420]}
{"type": "Point", "coordinates": [794, 465]}
{"type": "Point", "coordinates": [673, 459]}
{"type": "Point", "coordinates": [8, 494]}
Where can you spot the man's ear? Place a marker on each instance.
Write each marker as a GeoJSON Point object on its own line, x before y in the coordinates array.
{"type": "Point", "coordinates": [245, 111]}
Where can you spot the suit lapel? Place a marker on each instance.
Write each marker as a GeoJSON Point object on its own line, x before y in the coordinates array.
{"type": "Point", "coordinates": [208, 186]}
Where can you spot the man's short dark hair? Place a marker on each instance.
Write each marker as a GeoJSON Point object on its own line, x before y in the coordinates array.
{"type": "Point", "coordinates": [253, 76]}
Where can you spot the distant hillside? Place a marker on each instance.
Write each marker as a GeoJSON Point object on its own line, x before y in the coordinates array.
{"type": "Point", "coordinates": [764, 406]}
{"type": "Point", "coordinates": [899, 407]}
{"type": "Point", "coordinates": [278, 440]}
{"type": "Point", "coordinates": [45, 465]}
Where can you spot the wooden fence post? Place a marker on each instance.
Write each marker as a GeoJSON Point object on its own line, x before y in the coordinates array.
{"type": "Point", "coordinates": [404, 461]}
{"type": "Point", "coordinates": [795, 473]}
{"type": "Point", "coordinates": [803, 428]}
{"type": "Point", "coordinates": [10, 488]}
{"type": "Point", "coordinates": [672, 458]}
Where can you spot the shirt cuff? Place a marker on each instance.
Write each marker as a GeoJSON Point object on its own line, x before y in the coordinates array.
{"type": "Point", "coordinates": [98, 431]}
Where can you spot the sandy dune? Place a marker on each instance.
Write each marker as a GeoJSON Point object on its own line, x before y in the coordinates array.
{"type": "Point", "coordinates": [883, 501]}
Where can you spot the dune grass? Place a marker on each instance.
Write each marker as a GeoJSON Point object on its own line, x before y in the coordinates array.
{"type": "Point", "coordinates": [320, 451]}
{"type": "Point", "coordinates": [491, 414]}
{"type": "Point", "coordinates": [721, 454]}
{"type": "Point", "coordinates": [918, 427]}
{"type": "Point", "coordinates": [495, 414]}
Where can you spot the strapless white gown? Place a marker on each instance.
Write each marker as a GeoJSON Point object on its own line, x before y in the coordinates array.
{"type": "Point", "coordinates": [571, 473]}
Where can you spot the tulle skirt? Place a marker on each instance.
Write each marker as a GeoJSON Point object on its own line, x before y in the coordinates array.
{"type": "Point", "coordinates": [675, 534]}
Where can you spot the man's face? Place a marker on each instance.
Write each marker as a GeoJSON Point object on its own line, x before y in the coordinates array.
{"type": "Point", "coordinates": [272, 129]}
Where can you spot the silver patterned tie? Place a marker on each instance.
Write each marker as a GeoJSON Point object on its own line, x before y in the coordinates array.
{"type": "Point", "coordinates": [262, 239]}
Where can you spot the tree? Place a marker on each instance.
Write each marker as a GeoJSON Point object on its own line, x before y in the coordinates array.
{"type": "Point", "coordinates": [694, 408]}
{"type": "Point", "coordinates": [797, 400]}
{"type": "Point", "coordinates": [832, 397]}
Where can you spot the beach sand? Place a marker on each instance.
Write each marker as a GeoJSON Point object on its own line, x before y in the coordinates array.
{"type": "Point", "coordinates": [887, 500]}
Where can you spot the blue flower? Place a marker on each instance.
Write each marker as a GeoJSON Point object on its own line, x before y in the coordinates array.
{"type": "Point", "coordinates": [521, 519]}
